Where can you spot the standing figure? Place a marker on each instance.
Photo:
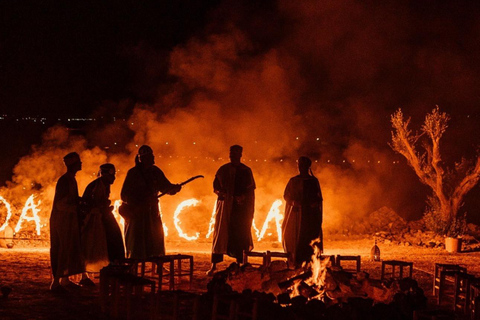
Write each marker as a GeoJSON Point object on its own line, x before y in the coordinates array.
{"type": "Point", "coordinates": [303, 214]}
{"type": "Point", "coordinates": [65, 252]}
{"type": "Point", "coordinates": [143, 225]}
{"type": "Point", "coordinates": [102, 241]}
{"type": "Point", "coordinates": [235, 187]}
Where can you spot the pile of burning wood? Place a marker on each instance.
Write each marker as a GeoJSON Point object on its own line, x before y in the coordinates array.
{"type": "Point", "coordinates": [319, 291]}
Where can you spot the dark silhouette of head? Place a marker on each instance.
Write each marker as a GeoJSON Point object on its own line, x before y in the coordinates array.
{"type": "Point", "coordinates": [145, 156]}
{"type": "Point", "coordinates": [107, 173]}
{"type": "Point", "coordinates": [235, 153]}
{"type": "Point", "coordinates": [304, 164]}
{"type": "Point", "coordinates": [72, 162]}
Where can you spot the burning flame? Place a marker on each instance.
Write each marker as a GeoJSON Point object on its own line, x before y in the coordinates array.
{"type": "Point", "coordinates": [118, 217]}
{"type": "Point", "coordinates": [211, 225]}
{"type": "Point", "coordinates": [318, 266]}
{"type": "Point", "coordinates": [257, 232]}
{"type": "Point", "coordinates": [274, 213]}
{"type": "Point", "coordinates": [30, 205]}
{"type": "Point", "coordinates": [9, 213]}
{"type": "Point", "coordinates": [177, 222]}
{"type": "Point", "coordinates": [165, 229]}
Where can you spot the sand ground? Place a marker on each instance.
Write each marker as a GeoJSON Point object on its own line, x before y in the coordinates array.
{"type": "Point", "coordinates": [27, 272]}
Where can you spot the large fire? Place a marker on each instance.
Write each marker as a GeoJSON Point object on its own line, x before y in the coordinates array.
{"type": "Point", "coordinates": [30, 206]}
{"type": "Point", "coordinates": [31, 209]}
{"type": "Point", "coordinates": [176, 220]}
{"type": "Point", "coordinates": [274, 213]}
{"type": "Point", "coordinates": [9, 213]}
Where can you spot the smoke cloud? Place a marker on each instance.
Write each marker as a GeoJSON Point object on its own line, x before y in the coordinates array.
{"type": "Point", "coordinates": [285, 79]}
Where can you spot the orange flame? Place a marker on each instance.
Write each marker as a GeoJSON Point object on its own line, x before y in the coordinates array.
{"type": "Point", "coordinates": [30, 205]}
{"type": "Point", "coordinates": [9, 213]}
{"type": "Point", "coordinates": [165, 229]}
{"type": "Point", "coordinates": [118, 217]}
{"type": "Point", "coordinates": [257, 232]}
{"type": "Point", "coordinates": [318, 266]}
{"type": "Point", "coordinates": [211, 225]}
{"type": "Point", "coordinates": [274, 213]}
{"type": "Point", "coordinates": [177, 222]}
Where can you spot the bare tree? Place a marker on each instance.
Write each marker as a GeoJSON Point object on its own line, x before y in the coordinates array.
{"type": "Point", "coordinates": [449, 185]}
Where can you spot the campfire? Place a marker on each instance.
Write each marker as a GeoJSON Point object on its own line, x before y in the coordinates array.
{"type": "Point", "coordinates": [317, 287]}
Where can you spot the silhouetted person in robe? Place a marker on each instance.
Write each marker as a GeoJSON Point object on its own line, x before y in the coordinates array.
{"type": "Point", "coordinates": [102, 241]}
{"type": "Point", "coordinates": [235, 187]}
{"type": "Point", "coordinates": [65, 251]}
{"type": "Point", "coordinates": [303, 214]}
{"type": "Point", "coordinates": [143, 225]}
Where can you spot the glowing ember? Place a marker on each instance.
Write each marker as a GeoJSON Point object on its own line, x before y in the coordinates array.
{"type": "Point", "coordinates": [211, 225]}
{"type": "Point", "coordinates": [177, 222]}
{"type": "Point", "coordinates": [9, 213]}
{"type": "Point", "coordinates": [30, 205]}
{"type": "Point", "coordinates": [274, 213]}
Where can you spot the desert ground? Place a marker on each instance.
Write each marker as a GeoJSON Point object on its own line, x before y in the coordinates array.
{"type": "Point", "coordinates": [26, 270]}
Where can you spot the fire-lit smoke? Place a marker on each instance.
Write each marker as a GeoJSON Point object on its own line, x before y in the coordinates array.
{"type": "Point", "coordinates": [309, 78]}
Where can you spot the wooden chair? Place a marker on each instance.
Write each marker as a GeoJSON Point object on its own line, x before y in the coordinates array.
{"type": "Point", "coordinates": [474, 296]}
{"type": "Point", "coordinates": [461, 300]}
{"type": "Point", "coordinates": [356, 259]}
{"type": "Point", "coordinates": [447, 286]}
{"type": "Point", "coordinates": [262, 255]}
{"type": "Point", "coordinates": [270, 255]}
{"type": "Point", "coordinates": [439, 267]}
{"type": "Point", "coordinates": [163, 275]}
{"type": "Point", "coordinates": [394, 264]}
{"type": "Point", "coordinates": [179, 271]}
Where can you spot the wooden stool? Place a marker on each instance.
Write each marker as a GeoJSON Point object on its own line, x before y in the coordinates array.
{"type": "Point", "coordinates": [270, 255]}
{"type": "Point", "coordinates": [263, 255]}
{"type": "Point", "coordinates": [394, 264]}
{"type": "Point", "coordinates": [163, 275]}
{"type": "Point", "coordinates": [339, 259]}
{"type": "Point", "coordinates": [137, 265]}
{"type": "Point", "coordinates": [179, 272]}
{"type": "Point", "coordinates": [461, 298]}
{"type": "Point", "coordinates": [446, 291]}
{"type": "Point", "coordinates": [175, 305]}
{"type": "Point", "coordinates": [474, 297]}
{"type": "Point", "coordinates": [234, 306]}
{"type": "Point", "coordinates": [443, 267]}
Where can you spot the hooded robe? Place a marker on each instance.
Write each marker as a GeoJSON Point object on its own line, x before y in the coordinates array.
{"type": "Point", "coordinates": [65, 251]}
{"type": "Point", "coordinates": [234, 211]}
{"type": "Point", "coordinates": [102, 240]}
{"type": "Point", "coordinates": [303, 218]}
{"type": "Point", "coordinates": [144, 229]}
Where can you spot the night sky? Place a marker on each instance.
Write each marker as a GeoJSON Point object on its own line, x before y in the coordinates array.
{"type": "Point", "coordinates": [330, 69]}
{"type": "Point", "coordinates": [65, 58]}
{"type": "Point", "coordinates": [69, 57]}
